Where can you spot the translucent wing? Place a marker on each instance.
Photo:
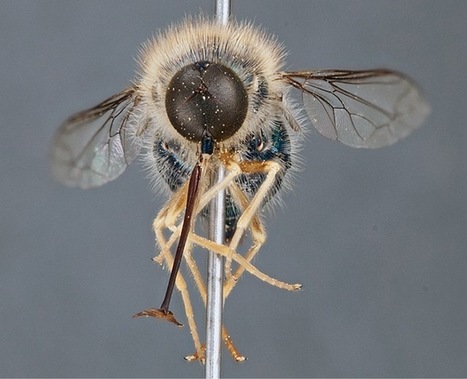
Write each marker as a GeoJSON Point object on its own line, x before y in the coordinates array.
{"type": "Point", "coordinates": [367, 109]}
{"type": "Point", "coordinates": [95, 146]}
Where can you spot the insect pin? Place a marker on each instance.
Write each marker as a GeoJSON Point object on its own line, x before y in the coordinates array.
{"type": "Point", "coordinates": [210, 95]}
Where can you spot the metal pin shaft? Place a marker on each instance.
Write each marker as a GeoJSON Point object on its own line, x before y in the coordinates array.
{"type": "Point", "coordinates": [215, 270]}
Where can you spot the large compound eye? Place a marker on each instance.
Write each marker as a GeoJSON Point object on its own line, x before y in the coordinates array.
{"type": "Point", "coordinates": [206, 97]}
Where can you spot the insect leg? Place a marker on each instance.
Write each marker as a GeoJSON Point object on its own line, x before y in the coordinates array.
{"type": "Point", "coordinates": [203, 201]}
{"type": "Point", "coordinates": [166, 219]}
{"type": "Point", "coordinates": [233, 170]}
{"type": "Point", "coordinates": [258, 236]}
{"type": "Point", "coordinates": [271, 169]}
{"type": "Point", "coordinates": [203, 294]}
{"type": "Point", "coordinates": [167, 214]}
{"type": "Point", "coordinates": [196, 179]}
{"type": "Point", "coordinates": [231, 347]}
{"type": "Point", "coordinates": [181, 285]}
{"type": "Point", "coordinates": [226, 251]}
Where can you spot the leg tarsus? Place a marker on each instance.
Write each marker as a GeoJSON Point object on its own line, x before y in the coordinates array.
{"type": "Point", "coordinates": [198, 356]}
{"type": "Point", "coordinates": [231, 347]}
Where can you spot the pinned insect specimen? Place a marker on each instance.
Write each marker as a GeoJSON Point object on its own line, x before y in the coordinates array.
{"type": "Point", "coordinates": [210, 95]}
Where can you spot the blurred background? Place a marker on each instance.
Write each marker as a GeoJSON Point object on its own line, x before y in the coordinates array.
{"type": "Point", "coordinates": [378, 238]}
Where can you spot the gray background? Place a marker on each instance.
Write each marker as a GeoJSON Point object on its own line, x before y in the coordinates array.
{"type": "Point", "coordinates": [378, 238]}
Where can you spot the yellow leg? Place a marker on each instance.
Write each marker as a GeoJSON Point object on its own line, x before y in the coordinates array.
{"type": "Point", "coordinates": [166, 219]}
{"type": "Point", "coordinates": [258, 237]}
{"type": "Point", "coordinates": [169, 216]}
{"type": "Point", "coordinates": [226, 251]}
{"type": "Point", "coordinates": [203, 294]}
{"type": "Point", "coordinates": [250, 213]}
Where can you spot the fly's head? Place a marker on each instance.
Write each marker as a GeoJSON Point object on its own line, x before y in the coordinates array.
{"type": "Point", "coordinates": [201, 77]}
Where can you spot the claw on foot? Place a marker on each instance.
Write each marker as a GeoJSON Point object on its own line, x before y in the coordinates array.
{"type": "Point", "coordinates": [158, 313]}
{"type": "Point", "coordinates": [233, 351]}
{"type": "Point", "coordinates": [158, 259]}
{"type": "Point", "coordinates": [240, 359]}
{"type": "Point", "coordinates": [198, 356]}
